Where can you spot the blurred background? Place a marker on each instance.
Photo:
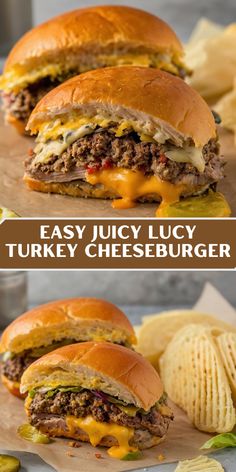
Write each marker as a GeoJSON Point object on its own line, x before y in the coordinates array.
{"type": "Point", "coordinates": [17, 16]}
{"type": "Point", "coordinates": [137, 292]}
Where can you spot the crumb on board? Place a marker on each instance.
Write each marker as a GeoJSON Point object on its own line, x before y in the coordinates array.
{"type": "Point", "coordinates": [69, 453]}
{"type": "Point", "coordinates": [74, 444]}
{"type": "Point", "coordinates": [98, 455]}
{"type": "Point", "coordinates": [161, 457]}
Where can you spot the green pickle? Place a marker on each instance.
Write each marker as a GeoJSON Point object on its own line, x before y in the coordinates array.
{"type": "Point", "coordinates": [132, 456]}
{"type": "Point", "coordinates": [210, 205]}
{"type": "Point", "coordinates": [30, 433]}
{"type": "Point", "coordinates": [9, 463]}
{"type": "Point", "coordinates": [5, 213]}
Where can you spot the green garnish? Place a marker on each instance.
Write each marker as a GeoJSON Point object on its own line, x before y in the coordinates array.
{"type": "Point", "coordinates": [51, 393]}
{"type": "Point", "coordinates": [220, 441]}
{"type": "Point", "coordinates": [30, 433]}
{"type": "Point", "coordinates": [9, 463]}
{"type": "Point", "coordinates": [132, 456]}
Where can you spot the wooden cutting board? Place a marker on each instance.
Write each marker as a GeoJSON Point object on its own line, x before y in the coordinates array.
{"type": "Point", "coordinates": [15, 196]}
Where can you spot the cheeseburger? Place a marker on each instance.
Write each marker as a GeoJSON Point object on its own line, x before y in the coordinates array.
{"type": "Point", "coordinates": [125, 133]}
{"type": "Point", "coordinates": [79, 41]}
{"type": "Point", "coordinates": [100, 393]}
{"type": "Point", "coordinates": [56, 324]}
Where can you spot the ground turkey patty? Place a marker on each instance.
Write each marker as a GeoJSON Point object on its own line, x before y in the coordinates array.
{"type": "Point", "coordinates": [21, 105]}
{"type": "Point", "coordinates": [102, 150]}
{"type": "Point", "coordinates": [13, 368]}
{"type": "Point", "coordinates": [87, 403]}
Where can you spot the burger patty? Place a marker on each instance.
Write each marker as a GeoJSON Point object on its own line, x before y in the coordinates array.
{"type": "Point", "coordinates": [14, 368]}
{"type": "Point", "coordinates": [103, 150]}
{"type": "Point", "coordinates": [21, 105]}
{"type": "Point", "coordinates": [87, 403]}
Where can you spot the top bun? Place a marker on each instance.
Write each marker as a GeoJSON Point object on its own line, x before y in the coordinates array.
{"type": "Point", "coordinates": [103, 366]}
{"type": "Point", "coordinates": [78, 319]}
{"type": "Point", "coordinates": [92, 31]}
{"type": "Point", "coordinates": [152, 99]}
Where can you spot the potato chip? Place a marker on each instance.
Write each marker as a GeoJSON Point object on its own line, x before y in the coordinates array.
{"type": "Point", "coordinates": [226, 107]}
{"type": "Point", "coordinates": [227, 346]}
{"type": "Point", "coordinates": [200, 463]}
{"type": "Point", "coordinates": [195, 379]}
{"type": "Point", "coordinates": [206, 51]}
{"type": "Point", "coordinates": [158, 330]}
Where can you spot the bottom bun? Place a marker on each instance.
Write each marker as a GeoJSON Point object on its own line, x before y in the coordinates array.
{"type": "Point", "coordinates": [142, 439]}
{"type": "Point", "coordinates": [18, 124]}
{"type": "Point", "coordinates": [81, 188]}
{"type": "Point", "coordinates": [13, 387]}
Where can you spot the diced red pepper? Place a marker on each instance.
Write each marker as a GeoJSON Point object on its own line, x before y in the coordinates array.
{"type": "Point", "coordinates": [162, 158]}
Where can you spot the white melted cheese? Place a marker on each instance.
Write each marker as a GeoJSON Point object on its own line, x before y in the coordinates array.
{"type": "Point", "coordinates": [44, 151]}
{"type": "Point", "coordinates": [54, 137]}
{"type": "Point", "coordinates": [188, 154]}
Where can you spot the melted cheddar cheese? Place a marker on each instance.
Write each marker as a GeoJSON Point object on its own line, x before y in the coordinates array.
{"type": "Point", "coordinates": [131, 185]}
{"type": "Point", "coordinates": [96, 431]}
{"type": "Point", "coordinates": [21, 75]}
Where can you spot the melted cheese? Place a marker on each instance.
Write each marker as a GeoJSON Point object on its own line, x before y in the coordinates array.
{"type": "Point", "coordinates": [18, 77]}
{"type": "Point", "coordinates": [96, 431]}
{"type": "Point", "coordinates": [16, 80]}
{"type": "Point", "coordinates": [131, 185]}
{"type": "Point", "coordinates": [187, 154]}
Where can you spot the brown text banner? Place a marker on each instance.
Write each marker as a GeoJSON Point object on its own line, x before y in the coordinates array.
{"type": "Point", "coordinates": [118, 244]}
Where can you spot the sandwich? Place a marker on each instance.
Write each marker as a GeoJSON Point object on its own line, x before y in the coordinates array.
{"type": "Point", "coordinates": [79, 41]}
{"type": "Point", "coordinates": [55, 324]}
{"type": "Point", "coordinates": [100, 393]}
{"type": "Point", "coordinates": [125, 133]}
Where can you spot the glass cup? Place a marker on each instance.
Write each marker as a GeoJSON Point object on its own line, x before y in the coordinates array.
{"type": "Point", "coordinates": [13, 295]}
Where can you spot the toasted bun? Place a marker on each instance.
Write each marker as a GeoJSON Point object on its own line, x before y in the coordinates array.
{"type": "Point", "coordinates": [13, 387]}
{"type": "Point", "coordinates": [149, 97]}
{"type": "Point", "coordinates": [80, 319]}
{"type": "Point", "coordinates": [92, 31]}
{"type": "Point", "coordinates": [113, 369]}
{"type": "Point", "coordinates": [92, 191]}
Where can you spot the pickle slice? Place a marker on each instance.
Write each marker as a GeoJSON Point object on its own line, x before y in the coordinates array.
{"type": "Point", "coordinates": [30, 433]}
{"type": "Point", "coordinates": [210, 205]}
{"type": "Point", "coordinates": [132, 456]}
{"type": "Point", "coordinates": [9, 463]}
{"type": "Point", "coordinates": [5, 213]}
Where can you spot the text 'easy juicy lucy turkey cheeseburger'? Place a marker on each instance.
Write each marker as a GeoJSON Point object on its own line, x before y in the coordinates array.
{"type": "Point", "coordinates": [55, 324]}
{"type": "Point", "coordinates": [125, 133]}
{"type": "Point", "coordinates": [101, 393]}
{"type": "Point", "coordinates": [79, 41]}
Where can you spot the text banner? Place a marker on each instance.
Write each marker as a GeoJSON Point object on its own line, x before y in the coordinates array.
{"type": "Point", "coordinates": [118, 244]}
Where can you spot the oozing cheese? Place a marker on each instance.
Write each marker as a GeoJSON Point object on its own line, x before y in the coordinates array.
{"type": "Point", "coordinates": [131, 185]}
{"type": "Point", "coordinates": [96, 431]}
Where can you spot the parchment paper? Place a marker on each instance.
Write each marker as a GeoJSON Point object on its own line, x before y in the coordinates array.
{"type": "Point", "coordinates": [183, 440]}
{"type": "Point", "coordinates": [15, 196]}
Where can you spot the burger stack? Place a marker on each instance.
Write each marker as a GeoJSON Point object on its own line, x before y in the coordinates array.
{"type": "Point", "coordinates": [74, 362]}
{"type": "Point", "coordinates": [125, 126]}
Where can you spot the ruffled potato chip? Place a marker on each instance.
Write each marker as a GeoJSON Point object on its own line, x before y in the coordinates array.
{"type": "Point", "coordinates": [158, 330]}
{"type": "Point", "coordinates": [227, 346]}
{"type": "Point", "coordinates": [195, 379]}
{"type": "Point", "coordinates": [199, 464]}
